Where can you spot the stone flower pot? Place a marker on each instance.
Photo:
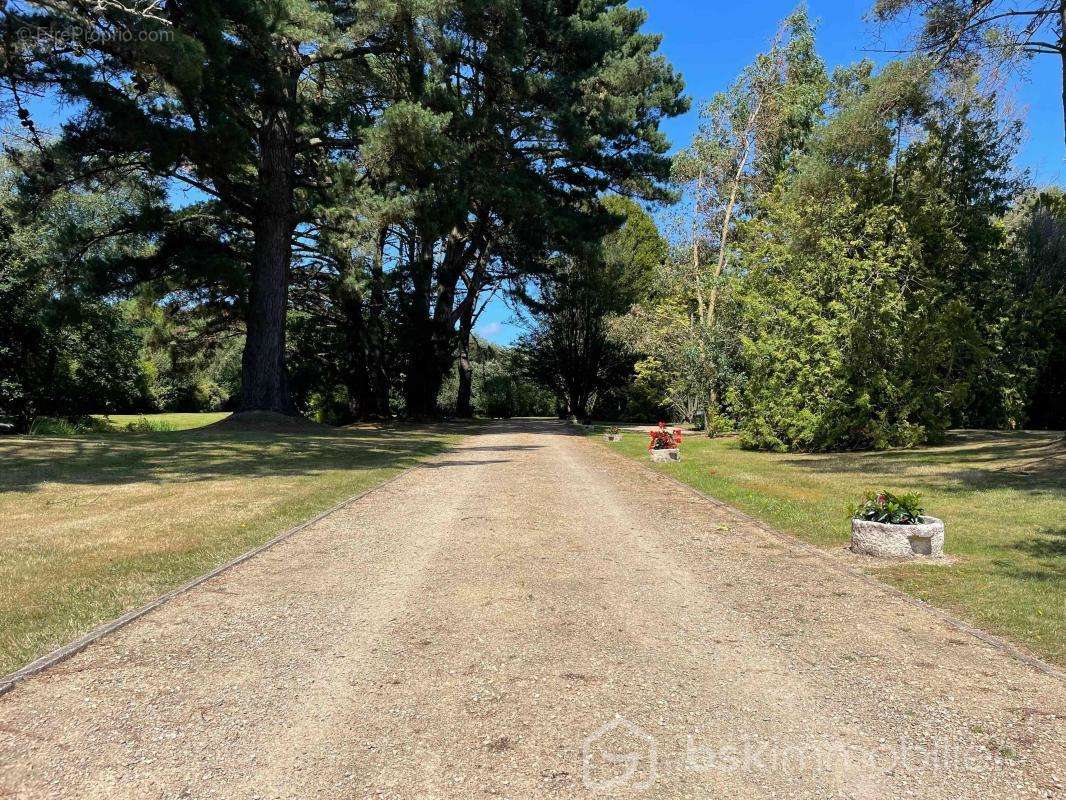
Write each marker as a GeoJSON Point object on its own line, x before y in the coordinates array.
{"type": "Point", "coordinates": [665, 455]}
{"type": "Point", "coordinates": [898, 541]}
{"type": "Point", "coordinates": [613, 437]}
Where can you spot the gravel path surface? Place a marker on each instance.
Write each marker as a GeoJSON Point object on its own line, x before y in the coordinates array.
{"type": "Point", "coordinates": [528, 616]}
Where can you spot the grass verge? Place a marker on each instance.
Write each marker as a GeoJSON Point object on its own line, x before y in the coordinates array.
{"type": "Point", "coordinates": [93, 525]}
{"type": "Point", "coordinates": [1002, 496]}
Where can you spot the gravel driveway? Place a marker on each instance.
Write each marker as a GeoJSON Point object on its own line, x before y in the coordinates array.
{"type": "Point", "coordinates": [530, 616]}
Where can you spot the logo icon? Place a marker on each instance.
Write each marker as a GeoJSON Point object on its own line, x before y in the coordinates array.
{"type": "Point", "coordinates": [619, 754]}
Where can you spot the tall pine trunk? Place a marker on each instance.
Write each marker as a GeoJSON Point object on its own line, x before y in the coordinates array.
{"type": "Point", "coordinates": [425, 376]}
{"type": "Point", "coordinates": [377, 406]}
{"type": "Point", "coordinates": [463, 402]}
{"type": "Point", "coordinates": [265, 382]}
{"type": "Point", "coordinates": [422, 383]}
{"type": "Point", "coordinates": [356, 367]}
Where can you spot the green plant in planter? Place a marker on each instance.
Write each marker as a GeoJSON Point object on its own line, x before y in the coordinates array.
{"type": "Point", "coordinates": [892, 509]}
{"type": "Point", "coordinates": [614, 430]}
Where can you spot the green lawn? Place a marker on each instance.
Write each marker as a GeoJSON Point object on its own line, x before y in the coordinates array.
{"type": "Point", "coordinates": [1001, 495]}
{"type": "Point", "coordinates": [93, 525]}
{"type": "Point", "coordinates": [175, 421]}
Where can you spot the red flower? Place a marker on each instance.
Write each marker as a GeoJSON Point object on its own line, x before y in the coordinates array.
{"type": "Point", "coordinates": [662, 439]}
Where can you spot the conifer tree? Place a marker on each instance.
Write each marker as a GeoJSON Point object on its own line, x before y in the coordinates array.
{"type": "Point", "coordinates": [247, 103]}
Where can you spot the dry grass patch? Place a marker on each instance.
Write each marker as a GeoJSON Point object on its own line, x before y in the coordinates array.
{"type": "Point", "coordinates": [93, 525]}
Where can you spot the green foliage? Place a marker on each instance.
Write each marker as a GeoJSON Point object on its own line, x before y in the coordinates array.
{"type": "Point", "coordinates": [872, 303]}
{"type": "Point", "coordinates": [189, 365]}
{"type": "Point", "coordinates": [62, 353]}
{"type": "Point", "coordinates": [846, 279]}
{"type": "Point", "coordinates": [145, 425]}
{"type": "Point", "coordinates": [682, 362]}
{"type": "Point", "coordinates": [636, 248]}
{"type": "Point", "coordinates": [61, 426]}
{"type": "Point", "coordinates": [825, 335]}
{"type": "Point", "coordinates": [570, 350]}
{"type": "Point", "coordinates": [388, 163]}
{"type": "Point", "coordinates": [66, 348]}
{"type": "Point", "coordinates": [501, 388]}
{"type": "Point", "coordinates": [1034, 338]}
{"type": "Point", "coordinates": [747, 136]}
{"type": "Point", "coordinates": [54, 426]}
{"type": "Point", "coordinates": [888, 508]}
{"type": "Point", "coordinates": [859, 266]}
{"type": "Point", "coordinates": [483, 212]}
{"type": "Point", "coordinates": [496, 398]}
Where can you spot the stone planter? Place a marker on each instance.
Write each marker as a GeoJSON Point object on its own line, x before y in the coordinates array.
{"type": "Point", "coordinates": [665, 455]}
{"type": "Point", "coordinates": [613, 437]}
{"type": "Point", "coordinates": [898, 541]}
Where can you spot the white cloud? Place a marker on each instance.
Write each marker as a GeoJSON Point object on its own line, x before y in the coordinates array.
{"type": "Point", "coordinates": [489, 330]}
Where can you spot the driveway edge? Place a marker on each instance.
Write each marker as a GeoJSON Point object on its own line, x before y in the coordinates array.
{"type": "Point", "coordinates": [8, 682]}
{"type": "Point", "coordinates": [826, 557]}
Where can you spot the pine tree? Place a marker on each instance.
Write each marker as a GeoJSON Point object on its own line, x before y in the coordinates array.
{"type": "Point", "coordinates": [247, 103]}
{"type": "Point", "coordinates": [515, 116]}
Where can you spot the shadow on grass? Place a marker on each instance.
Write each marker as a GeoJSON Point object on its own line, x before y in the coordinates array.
{"type": "Point", "coordinates": [1030, 461]}
{"type": "Point", "coordinates": [1012, 570]}
{"type": "Point", "coordinates": [202, 455]}
{"type": "Point", "coordinates": [1048, 545]}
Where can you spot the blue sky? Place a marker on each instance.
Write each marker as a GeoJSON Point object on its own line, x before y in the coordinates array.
{"type": "Point", "coordinates": [710, 41]}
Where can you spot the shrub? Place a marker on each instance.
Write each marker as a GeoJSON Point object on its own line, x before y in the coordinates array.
{"type": "Point", "coordinates": [496, 396]}
{"type": "Point", "coordinates": [902, 509]}
{"type": "Point", "coordinates": [145, 425]}
{"type": "Point", "coordinates": [67, 426]}
{"type": "Point", "coordinates": [838, 352]}
{"type": "Point", "coordinates": [614, 430]}
{"type": "Point", "coordinates": [54, 426]}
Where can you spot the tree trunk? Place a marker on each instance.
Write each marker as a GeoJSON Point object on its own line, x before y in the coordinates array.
{"type": "Point", "coordinates": [727, 220]}
{"type": "Point", "coordinates": [424, 378]}
{"type": "Point", "coordinates": [463, 405]}
{"type": "Point", "coordinates": [579, 408]}
{"type": "Point", "coordinates": [710, 319]}
{"type": "Point", "coordinates": [265, 383]}
{"type": "Point", "coordinates": [379, 384]}
{"type": "Point", "coordinates": [357, 373]}
{"type": "Point", "coordinates": [696, 267]}
{"type": "Point", "coordinates": [463, 402]}
{"type": "Point", "coordinates": [422, 382]}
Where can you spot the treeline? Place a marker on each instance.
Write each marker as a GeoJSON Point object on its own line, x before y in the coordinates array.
{"type": "Point", "coordinates": [304, 207]}
{"type": "Point", "coordinates": [856, 263]}
{"type": "Point", "coordinates": [333, 189]}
